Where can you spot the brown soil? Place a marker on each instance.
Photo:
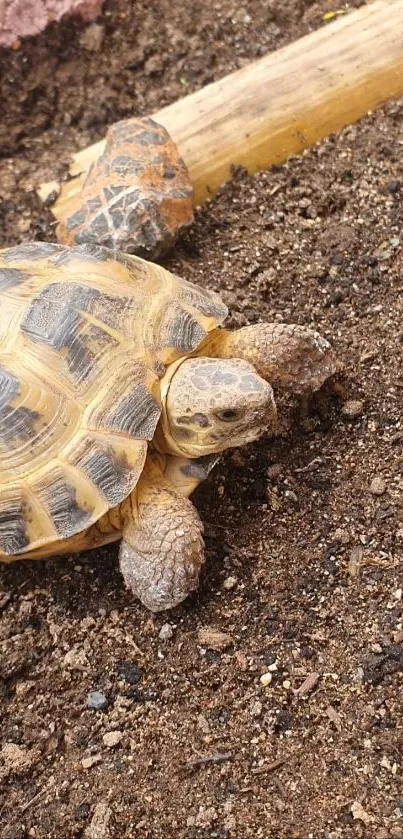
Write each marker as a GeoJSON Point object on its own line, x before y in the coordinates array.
{"type": "Point", "coordinates": [303, 559]}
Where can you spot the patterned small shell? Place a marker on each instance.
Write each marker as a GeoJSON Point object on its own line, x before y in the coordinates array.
{"type": "Point", "coordinates": [136, 197]}
{"type": "Point", "coordinates": [85, 335]}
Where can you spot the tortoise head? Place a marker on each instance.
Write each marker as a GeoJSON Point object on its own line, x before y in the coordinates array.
{"type": "Point", "coordinates": [213, 404]}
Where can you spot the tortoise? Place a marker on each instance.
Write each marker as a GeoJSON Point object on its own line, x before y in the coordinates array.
{"type": "Point", "coordinates": [137, 195]}
{"type": "Point", "coordinates": [119, 388]}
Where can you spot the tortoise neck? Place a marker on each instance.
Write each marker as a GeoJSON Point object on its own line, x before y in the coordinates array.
{"type": "Point", "coordinates": [163, 440]}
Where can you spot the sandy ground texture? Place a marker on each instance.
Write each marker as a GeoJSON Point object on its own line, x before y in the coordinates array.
{"type": "Point", "coordinates": [269, 704]}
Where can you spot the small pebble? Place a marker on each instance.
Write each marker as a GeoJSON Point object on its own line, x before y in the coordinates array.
{"type": "Point", "coordinates": [91, 760]}
{"type": "Point", "coordinates": [99, 825]}
{"type": "Point", "coordinates": [359, 814]}
{"type": "Point", "coordinates": [203, 724]}
{"type": "Point", "coordinates": [75, 659]}
{"type": "Point", "coordinates": [112, 738]}
{"type": "Point", "coordinates": [342, 536]}
{"type": "Point", "coordinates": [256, 708]}
{"type": "Point", "coordinates": [230, 583]}
{"type": "Point", "coordinates": [352, 409]}
{"type": "Point", "coordinates": [286, 684]}
{"type": "Point", "coordinates": [214, 639]}
{"type": "Point", "coordinates": [91, 38]}
{"type": "Point", "coordinates": [166, 632]}
{"type": "Point", "coordinates": [377, 486]}
{"type": "Point", "coordinates": [97, 701]}
{"type": "Point", "coordinates": [266, 679]}
{"type": "Point", "coordinates": [385, 763]}
{"type": "Point", "coordinates": [15, 760]}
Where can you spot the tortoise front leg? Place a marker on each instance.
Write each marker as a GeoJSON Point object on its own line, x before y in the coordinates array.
{"type": "Point", "coordinates": [289, 356]}
{"type": "Point", "coordinates": [162, 549]}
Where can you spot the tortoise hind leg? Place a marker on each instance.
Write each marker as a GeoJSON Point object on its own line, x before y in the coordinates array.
{"type": "Point", "coordinates": [162, 547]}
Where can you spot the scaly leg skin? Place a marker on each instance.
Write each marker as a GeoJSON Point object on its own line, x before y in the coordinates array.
{"type": "Point", "coordinates": [291, 357]}
{"type": "Point", "coordinates": [162, 549]}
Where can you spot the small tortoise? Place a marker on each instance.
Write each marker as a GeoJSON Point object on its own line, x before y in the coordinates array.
{"type": "Point", "coordinates": [136, 197]}
{"type": "Point", "coordinates": [118, 389]}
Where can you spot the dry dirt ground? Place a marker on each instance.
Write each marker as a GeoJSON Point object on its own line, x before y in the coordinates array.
{"type": "Point", "coordinates": [304, 534]}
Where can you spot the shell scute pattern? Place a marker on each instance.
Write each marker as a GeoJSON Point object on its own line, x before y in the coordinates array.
{"type": "Point", "coordinates": [136, 196]}
{"type": "Point", "coordinates": [31, 252]}
{"type": "Point", "coordinates": [85, 334]}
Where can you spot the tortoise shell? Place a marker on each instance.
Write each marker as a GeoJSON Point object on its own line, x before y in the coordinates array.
{"type": "Point", "coordinates": [136, 197]}
{"type": "Point", "coordinates": [85, 336]}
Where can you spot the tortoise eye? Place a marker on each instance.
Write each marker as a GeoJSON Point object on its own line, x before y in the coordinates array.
{"type": "Point", "coordinates": [228, 415]}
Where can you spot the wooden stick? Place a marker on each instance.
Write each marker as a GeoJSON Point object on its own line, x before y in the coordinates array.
{"type": "Point", "coordinates": [281, 104]}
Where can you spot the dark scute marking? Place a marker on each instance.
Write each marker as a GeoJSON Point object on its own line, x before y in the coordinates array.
{"type": "Point", "coordinates": [45, 320]}
{"type": "Point", "coordinates": [17, 425]}
{"type": "Point", "coordinates": [136, 414]}
{"type": "Point", "coordinates": [20, 427]}
{"type": "Point", "coordinates": [81, 354]}
{"type": "Point", "coordinates": [13, 526]}
{"type": "Point", "coordinates": [9, 388]}
{"type": "Point", "coordinates": [88, 234]}
{"type": "Point", "coordinates": [128, 200]}
{"type": "Point", "coordinates": [89, 253]}
{"type": "Point", "coordinates": [112, 474]}
{"type": "Point", "coordinates": [128, 262]}
{"type": "Point", "coordinates": [125, 131]}
{"type": "Point", "coordinates": [169, 172]}
{"type": "Point", "coordinates": [125, 165]}
{"type": "Point", "coordinates": [117, 218]}
{"type": "Point", "coordinates": [32, 251]}
{"type": "Point", "coordinates": [97, 227]}
{"type": "Point", "coordinates": [152, 138]}
{"type": "Point", "coordinates": [10, 277]}
{"type": "Point", "coordinates": [201, 467]}
{"type": "Point", "coordinates": [183, 332]}
{"type": "Point", "coordinates": [59, 499]}
{"type": "Point", "coordinates": [206, 303]}
{"type": "Point", "coordinates": [76, 220]}
{"type": "Point", "coordinates": [111, 192]}
{"type": "Point", "coordinates": [94, 204]}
